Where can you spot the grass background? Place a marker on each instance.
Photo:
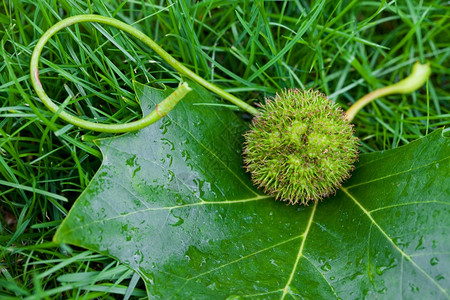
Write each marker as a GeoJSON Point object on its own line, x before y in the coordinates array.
{"type": "Point", "coordinates": [251, 48]}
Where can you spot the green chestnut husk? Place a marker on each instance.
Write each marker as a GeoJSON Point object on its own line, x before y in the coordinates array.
{"type": "Point", "coordinates": [300, 148]}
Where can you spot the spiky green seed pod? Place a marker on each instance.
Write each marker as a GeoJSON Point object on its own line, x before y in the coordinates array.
{"type": "Point", "coordinates": [300, 147]}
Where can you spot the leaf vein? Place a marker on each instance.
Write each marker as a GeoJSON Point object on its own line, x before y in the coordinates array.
{"type": "Point", "coordinates": [259, 198]}
{"type": "Point", "coordinates": [406, 256]}
{"type": "Point", "coordinates": [398, 173]}
{"type": "Point", "coordinates": [300, 252]}
{"type": "Point", "coordinates": [369, 238]}
{"type": "Point", "coordinates": [248, 255]}
{"type": "Point", "coordinates": [408, 203]}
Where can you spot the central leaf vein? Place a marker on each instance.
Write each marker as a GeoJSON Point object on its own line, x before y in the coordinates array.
{"type": "Point", "coordinates": [300, 252]}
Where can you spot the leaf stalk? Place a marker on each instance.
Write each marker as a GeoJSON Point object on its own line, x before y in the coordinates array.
{"type": "Point", "coordinates": [147, 120]}
{"type": "Point", "coordinates": [419, 75]}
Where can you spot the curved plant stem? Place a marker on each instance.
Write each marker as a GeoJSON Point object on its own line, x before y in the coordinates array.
{"type": "Point", "coordinates": [419, 75]}
{"type": "Point", "coordinates": [154, 116]}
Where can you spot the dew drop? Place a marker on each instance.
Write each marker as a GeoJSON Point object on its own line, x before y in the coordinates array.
{"type": "Point", "coordinates": [170, 158]}
{"type": "Point", "coordinates": [174, 220]}
{"type": "Point", "coordinates": [212, 286]}
{"type": "Point", "coordinates": [434, 261]}
{"type": "Point", "coordinates": [195, 257]}
{"type": "Point", "coordinates": [420, 244]}
{"type": "Point", "coordinates": [356, 275]}
{"type": "Point", "coordinates": [234, 297]}
{"type": "Point", "coordinates": [171, 176]}
{"type": "Point", "coordinates": [150, 278]}
{"type": "Point", "coordinates": [131, 161]}
{"type": "Point", "coordinates": [185, 155]}
{"type": "Point", "coordinates": [380, 270]}
{"type": "Point", "coordinates": [165, 141]}
{"type": "Point", "coordinates": [166, 123]}
{"type": "Point", "coordinates": [414, 288]}
{"type": "Point", "coordinates": [326, 267]}
{"type": "Point", "coordinates": [440, 277]}
{"type": "Point", "coordinates": [79, 218]}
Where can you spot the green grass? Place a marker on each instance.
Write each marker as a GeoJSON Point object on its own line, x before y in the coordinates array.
{"type": "Point", "coordinates": [251, 48]}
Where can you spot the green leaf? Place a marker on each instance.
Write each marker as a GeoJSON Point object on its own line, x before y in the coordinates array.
{"type": "Point", "coordinates": [174, 203]}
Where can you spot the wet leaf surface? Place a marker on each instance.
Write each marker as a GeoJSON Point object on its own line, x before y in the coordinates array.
{"type": "Point", "coordinates": [174, 203]}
